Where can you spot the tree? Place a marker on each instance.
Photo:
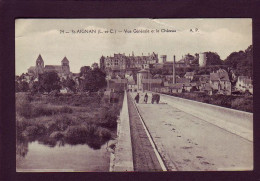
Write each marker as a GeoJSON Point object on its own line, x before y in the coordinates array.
{"type": "Point", "coordinates": [93, 79]}
{"type": "Point", "coordinates": [213, 59]}
{"type": "Point", "coordinates": [100, 78]}
{"type": "Point", "coordinates": [23, 86]}
{"type": "Point", "coordinates": [17, 88]}
{"type": "Point", "coordinates": [70, 83]}
{"type": "Point", "coordinates": [94, 65]}
{"type": "Point", "coordinates": [241, 62]}
{"type": "Point", "coordinates": [49, 81]}
{"type": "Point", "coordinates": [84, 70]}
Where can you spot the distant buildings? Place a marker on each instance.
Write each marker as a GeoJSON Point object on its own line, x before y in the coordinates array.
{"type": "Point", "coordinates": [244, 83]}
{"type": "Point", "coordinates": [164, 58]}
{"type": "Point", "coordinates": [115, 85]}
{"type": "Point", "coordinates": [120, 63]}
{"type": "Point", "coordinates": [216, 83]}
{"type": "Point", "coordinates": [62, 70]}
{"type": "Point", "coordinates": [139, 73]}
{"type": "Point", "coordinates": [150, 84]}
{"type": "Point", "coordinates": [189, 75]}
{"type": "Point", "coordinates": [132, 86]}
{"type": "Point", "coordinates": [220, 82]}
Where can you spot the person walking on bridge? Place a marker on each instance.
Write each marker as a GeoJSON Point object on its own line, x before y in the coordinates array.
{"type": "Point", "coordinates": [137, 98]}
{"type": "Point", "coordinates": [145, 98]}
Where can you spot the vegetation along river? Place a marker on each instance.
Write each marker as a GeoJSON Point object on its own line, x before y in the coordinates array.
{"type": "Point", "coordinates": [65, 132]}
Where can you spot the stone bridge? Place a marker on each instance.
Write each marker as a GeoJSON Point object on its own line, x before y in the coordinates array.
{"type": "Point", "coordinates": [182, 135]}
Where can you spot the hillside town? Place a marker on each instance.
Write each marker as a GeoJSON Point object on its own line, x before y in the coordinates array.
{"type": "Point", "coordinates": [149, 72]}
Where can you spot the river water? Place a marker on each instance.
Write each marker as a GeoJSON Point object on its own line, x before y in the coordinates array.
{"type": "Point", "coordinates": [81, 157]}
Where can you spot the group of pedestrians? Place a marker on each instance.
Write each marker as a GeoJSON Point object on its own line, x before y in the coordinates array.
{"type": "Point", "coordinates": [137, 97]}
{"type": "Point", "coordinates": [155, 97]}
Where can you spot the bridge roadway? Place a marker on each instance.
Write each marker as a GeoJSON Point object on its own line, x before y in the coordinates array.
{"type": "Point", "coordinates": [186, 142]}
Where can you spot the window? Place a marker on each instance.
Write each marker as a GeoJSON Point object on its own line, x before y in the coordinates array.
{"type": "Point", "coordinates": [116, 62]}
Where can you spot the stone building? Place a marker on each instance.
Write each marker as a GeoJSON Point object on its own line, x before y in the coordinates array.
{"type": "Point", "coordinates": [189, 75]}
{"type": "Point", "coordinates": [154, 85]}
{"type": "Point", "coordinates": [38, 68]}
{"type": "Point", "coordinates": [244, 83]}
{"type": "Point", "coordinates": [120, 62]}
{"type": "Point", "coordinates": [142, 74]}
{"type": "Point", "coordinates": [220, 82]}
{"type": "Point", "coordinates": [62, 70]}
{"type": "Point", "coordinates": [131, 86]}
{"type": "Point", "coordinates": [115, 85]}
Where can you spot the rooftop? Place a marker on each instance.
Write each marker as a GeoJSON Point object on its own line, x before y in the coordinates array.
{"type": "Point", "coordinates": [152, 81]}
{"type": "Point", "coordinates": [39, 59]}
{"type": "Point", "coordinates": [189, 74]}
{"type": "Point", "coordinates": [65, 60]}
{"type": "Point", "coordinates": [220, 75]}
{"type": "Point", "coordinates": [182, 80]}
{"type": "Point", "coordinates": [118, 81]}
{"type": "Point", "coordinates": [143, 71]}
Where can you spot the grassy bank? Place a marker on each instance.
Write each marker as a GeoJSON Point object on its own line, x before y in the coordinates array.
{"type": "Point", "coordinates": [243, 103]}
{"type": "Point", "coordinates": [71, 118]}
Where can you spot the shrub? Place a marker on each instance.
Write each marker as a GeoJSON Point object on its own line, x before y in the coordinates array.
{"type": "Point", "coordinates": [109, 117]}
{"type": "Point", "coordinates": [39, 118]}
{"type": "Point", "coordinates": [29, 111]}
{"type": "Point", "coordinates": [21, 126]}
{"type": "Point", "coordinates": [30, 131]}
{"type": "Point", "coordinates": [25, 109]}
{"type": "Point", "coordinates": [78, 132]}
{"type": "Point", "coordinates": [65, 109]}
{"type": "Point", "coordinates": [82, 132]}
{"type": "Point", "coordinates": [56, 135]}
{"type": "Point", "coordinates": [243, 104]}
{"type": "Point", "coordinates": [42, 111]}
{"type": "Point", "coordinates": [103, 133]}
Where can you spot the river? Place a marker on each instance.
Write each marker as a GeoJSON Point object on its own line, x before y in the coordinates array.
{"type": "Point", "coordinates": [81, 157]}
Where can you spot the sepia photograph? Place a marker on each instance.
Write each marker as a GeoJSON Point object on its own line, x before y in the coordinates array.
{"type": "Point", "coordinates": [134, 95]}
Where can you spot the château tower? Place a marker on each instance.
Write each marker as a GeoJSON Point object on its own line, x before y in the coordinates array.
{"type": "Point", "coordinates": [164, 58]}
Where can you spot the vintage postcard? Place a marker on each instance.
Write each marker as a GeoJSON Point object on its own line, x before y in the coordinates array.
{"type": "Point", "coordinates": [143, 95]}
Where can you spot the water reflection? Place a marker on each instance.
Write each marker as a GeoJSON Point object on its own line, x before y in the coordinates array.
{"type": "Point", "coordinates": [61, 154]}
{"type": "Point", "coordinates": [22, 142]}
{"type": "Point", "coordinates": [63, 158]}
{"type": "Point", "coordinates": [21, 147]}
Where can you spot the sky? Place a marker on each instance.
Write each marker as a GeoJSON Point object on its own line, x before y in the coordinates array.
{"type": "Point", "coordinates": [45, 37]}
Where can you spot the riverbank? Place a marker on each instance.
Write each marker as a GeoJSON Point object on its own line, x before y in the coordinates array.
{"type": "Point", "coordinates": [65, 119]}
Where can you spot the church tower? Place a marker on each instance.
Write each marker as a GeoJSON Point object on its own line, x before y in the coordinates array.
{"type": "Point", "coordinates": [39, 65]}
{"type": "Point", "coordinates": [65, 66]}
{"type": "Point", "coordinates": [39, 61]}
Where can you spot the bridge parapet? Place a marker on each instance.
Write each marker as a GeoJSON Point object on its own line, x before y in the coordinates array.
{"type": "Point", "coordinates": [123, 158]}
